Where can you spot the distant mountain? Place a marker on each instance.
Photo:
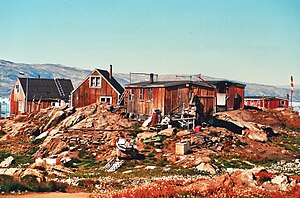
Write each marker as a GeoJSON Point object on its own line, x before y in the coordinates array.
{"type": "Point", "coordinates": [9, 71]}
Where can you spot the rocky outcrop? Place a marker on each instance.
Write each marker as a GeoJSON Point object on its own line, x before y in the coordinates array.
{"type": "Point", "coordinates": [236, 124]}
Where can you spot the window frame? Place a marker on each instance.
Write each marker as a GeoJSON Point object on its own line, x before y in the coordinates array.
{"type": "Point", "coordinates": [95, 82]}
{"type": "Point", "coordinates": [131, 95]}
{"type": "Point", "coordinates": [142, 94]}
{"type": "Point", "coordinates": [150, 94]}
{"type": "Point", "coordinates": [106, 99]}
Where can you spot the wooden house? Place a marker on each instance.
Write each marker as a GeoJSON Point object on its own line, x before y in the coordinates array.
{"type": "Point", "coordinates": [230, 95]}
{"type": "Point", "coordinates": [269, 102]}
{"type": "Point", "coordinates": [146, 97]}
{"type": "Point", "coordinates": [98, 86]}
{"type": "Point", "coordinates": [33, 94]}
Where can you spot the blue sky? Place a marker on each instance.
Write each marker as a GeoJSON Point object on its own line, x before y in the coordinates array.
{"type": "Point", "coordinates": [253, 41]}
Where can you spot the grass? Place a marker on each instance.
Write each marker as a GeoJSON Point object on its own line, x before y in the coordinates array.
{"type": "Point", "coordinates": [289, 143]}
{"type": "Point", "coordinates": [231, 162]}
{"type": "Point", "coordinates": [38, 141]}
{"type": "Point", "coordinates": [29, 183]}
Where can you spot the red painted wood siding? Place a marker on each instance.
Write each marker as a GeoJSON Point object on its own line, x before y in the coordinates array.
{"type": "Point", "coordinates": [85, 95]}
{"type": "Point", "coordinates": [166, 99]}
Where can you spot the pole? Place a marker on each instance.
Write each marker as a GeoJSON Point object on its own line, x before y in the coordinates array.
{"type": "Point", "coordinates": [26, 96]}
{"type": "Point", "coordinates": [292, 99]}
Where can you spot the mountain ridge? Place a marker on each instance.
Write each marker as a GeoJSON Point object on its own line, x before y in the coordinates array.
{"type": "Point", "coordinates": [10, 70]}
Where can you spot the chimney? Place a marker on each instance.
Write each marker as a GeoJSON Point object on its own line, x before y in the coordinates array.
{"type": "Point", "coordinates": [110, 71]}
{"type": "Point", "coordinates": [151, 77]}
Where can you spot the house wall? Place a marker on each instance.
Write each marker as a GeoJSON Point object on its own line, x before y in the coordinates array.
{"type": "Point", "coordinates": [167, 99]}
{"type": "Point", "coordinates": [236, 95]}
{"type": "Point", "coordinates": [269, 104]}
{"type": "Point", "coordinates": [17, 98]}
{"type": "Point", "coordinates": [145, 106]}
{"type": "Point", "coordinates": [85, 95]}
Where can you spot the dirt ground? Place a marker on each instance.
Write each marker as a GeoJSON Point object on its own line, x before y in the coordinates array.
{"type": "Point", "coordinates": [49, 195]}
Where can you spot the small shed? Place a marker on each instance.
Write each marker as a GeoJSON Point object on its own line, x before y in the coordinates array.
{"type": "Point", "coordinates": [98, 86]}
{"type": "Point", "coordinates": [230, 94]}
{"type": "Point", "coordinates": [269, 102]}
{"type": "Point", "coordinates": [146, 97]}
{"type": "Point", "coordinates": [33, 94]}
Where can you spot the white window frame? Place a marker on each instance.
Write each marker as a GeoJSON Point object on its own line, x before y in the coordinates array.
{"type": "Point", "coordinates": [97, 83]}
{"type": "Point", "coordinates": [105, 99]}
{"type": "Point", "coordinates": [131, 95]}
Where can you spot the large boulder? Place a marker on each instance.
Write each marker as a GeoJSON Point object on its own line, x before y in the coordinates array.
{"type": "Point", "coordinates": [29, 171]}
{"type": "Point", "coordinates": [245, 178]}
{"type": "Point", "coordinates": [282, 181]}
{"type": "Point", "coordinates": [206, 167]}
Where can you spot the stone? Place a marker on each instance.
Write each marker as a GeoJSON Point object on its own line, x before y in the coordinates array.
{"type": "Point", "coordinates": [8, 171]}
{"type": "Point", "coordinates": [282, 181]}
{"type": "Point", "coordinates": [256, 135]}
{"type": "Point", "coordinates": [245, 178]}
{"type": "Point", "coordinates": [42, 135]}
{"type": "Point", "coordinates": [34, 172]}
{"type": "Point", "coordinates": [183, 133]}
{"type": "Point", "coordinates": [158, 150]}
{"type": "Point", "coordinates": [55, 119]}
{"type": "Point", "coordinates": [128, 171]}
{"type": "Point", "coordinates": [146, 135]}
{"type": "Point", "coordinates": [7, 162]}
{"type": "Point", "coordinates": [206, 167]}
{"type": "Point", "coordinates": [167, 132]}
{"type": "Point", "coordinates": [224, 181]}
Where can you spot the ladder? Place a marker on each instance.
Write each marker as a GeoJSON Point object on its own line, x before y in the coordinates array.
{"type": "Point", "coordinates": [113, 165]}
{"type": "Point", "coordinates": [59, 87]}
{"type": "Point", "coordinates": [121, 98]}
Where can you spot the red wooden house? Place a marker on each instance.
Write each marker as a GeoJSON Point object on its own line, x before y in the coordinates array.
{"type": "Point", "coordinates": [269, 102]}
{"type": "Point", "coordinates": [230, 95]}
{"type": "Point", "coordinates": [146, 97]}
{"type": "Point", "coordinates": [98, 86]}
{"type": "Point", "coordinates": [33, 94]}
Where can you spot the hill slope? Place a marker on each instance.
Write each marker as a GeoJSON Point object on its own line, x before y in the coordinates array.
{"type": "Point", "coordinates": [9, 71]}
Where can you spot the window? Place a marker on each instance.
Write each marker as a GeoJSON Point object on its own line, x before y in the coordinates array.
{"type": "Point", "coordinates": [131, 95]}
{"type": "Point", "coordinates": [106, 99]}
{"type": "Point", "coordinates": [141, 94]}
{"type": "Point", "coordinates": [17, 88]}
{"type": "Point", "coordinates": [95, 81]}
{"type": "Point", "coordinates": [149, 94]}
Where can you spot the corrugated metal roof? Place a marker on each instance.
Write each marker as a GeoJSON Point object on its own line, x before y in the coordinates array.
{"type": "Point", "coordinates": [166, 84]}
{"type": "Point", "coordinates": [45, 89]}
